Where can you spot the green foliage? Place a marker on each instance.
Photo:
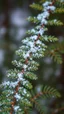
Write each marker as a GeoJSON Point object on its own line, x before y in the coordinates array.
{"type": "Point", "coordinates": [16, 96]}
{"type": "Point", "coordinates": [40, 8]}
{"type": "Point", "coordinates": [49, 91]}
{"type": "Point", "coordinates": [49, 38]}
{"type": "Point", "coordinates": [55, 51]}
{"type": "Point", "coordinates": [59, 10]}
{"type": "Point", "coordinates": [33, 20]}
{"type": "Point", "coordinates": [36, 6]}
{"type": "Point", "coordinates": [50, 22]}
{"type": "Point", "coordinates": [39, 107]}
{"type": "Point", "coordinates": [55, 22]}
{"type": "Point", "coordinates": [46, 93]}
{"type": "Point", "coordinates": [30, 75]}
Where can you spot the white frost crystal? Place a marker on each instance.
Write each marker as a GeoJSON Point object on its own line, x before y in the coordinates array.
{"type": "Point", "coordinates": [6, 83]}
{"type": "Point", "coordinates": [34, 37]}
{"type": "Point", "coordinates": [52, 8]}
{"type": "Point", "coordinates": [25, 67]}
{"type": "Point", "coordinates": [16, 108]}
{"type": "Point", "coordinates": [41, 31]}
{"type": "Point", "coordinates": [38, 42]}
{"type": "Point", "coordinates": [44, 21]}
{"type": "Point", "coordinates": [20, 76]}
{"type": "Point", "coordinates": [47, 6]}
{"type": "Point", "coordinates": [26, 55]}
{"type": "Point", "coordinates": [33, 30]}
{"type": "Point", "coordinates": [55, 20]}
{"type": "Point", "coordinates": [13, 84]}
{"type": "Point", "coordinates": [31, 44]}
{"type": "Point", "coordinates": [10, 84]}
{"type": "Point", "coordinates": [43, 15]}
{"type": "Point", "coordinates": [46, 3]}
{"type": "Point", "coordinates": [17, 96]}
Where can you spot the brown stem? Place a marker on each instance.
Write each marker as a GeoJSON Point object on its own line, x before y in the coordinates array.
{"type": "Point", "coordinates": [14, 99]}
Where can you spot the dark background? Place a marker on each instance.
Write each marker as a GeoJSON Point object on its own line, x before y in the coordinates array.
{"type": "Point", "coordinates": [13, 26]}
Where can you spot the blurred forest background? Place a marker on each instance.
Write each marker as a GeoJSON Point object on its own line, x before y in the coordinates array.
{"type": "Point", "coordinates": [13, 26]}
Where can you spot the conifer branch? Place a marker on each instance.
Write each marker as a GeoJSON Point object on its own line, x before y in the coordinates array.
{"type": "Point", "coordinates": [17, 92]}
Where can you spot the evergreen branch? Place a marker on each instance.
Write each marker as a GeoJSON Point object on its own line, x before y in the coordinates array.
{"type": "Point", "coordinates": [43, 37]}
{"type": "Point", "coordinates": [49, 38]}
{"type": "Point", "coordinates": [36, 6]}
{"type": "Point", "coordinates": [59, 10]}
{"type": "Point", "coordinates": [56, 51]}
{"type": "Point", "coordinates": [46, 92]}
{"type": "Point", "coordinates": [33, 19]}
{"type": "Point", "coordinates": [35, 31]}
{"type": "Point", "coordinates": [50, 22]}
{"type": "Point", "coordinates": [55, 55]}
{"type": "Point", "coordinates": [58, 4]}
{"type": "Point", "coordinates": [55, 22]}
{"type": "Point", "coordinates": [17, 91]}
{"type": "Point", "coordinates": [39, 107]}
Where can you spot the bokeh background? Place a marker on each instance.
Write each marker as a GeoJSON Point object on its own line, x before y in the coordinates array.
{"type": "Point", "coordinates": [13, 26]}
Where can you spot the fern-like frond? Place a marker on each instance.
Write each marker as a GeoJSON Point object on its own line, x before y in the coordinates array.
{"type": "Point", "coordinates": [48, 38]}
{"type": "Point", "coordinates": [50, 22]}
{"type": "Point", "coordinates": [59, 10]}
{"type": "Point", "coordinates": [56, 52]}
{"type": "Point", "coordinates": [55, 22]}
{"type": "Point", "coordinates": [47, 92]}
{"type": "Point", "coordinates": [36, 6]}
{"type": "Point", "coordinates": [39, 107]}
{"type": "Point", "coordinates": [33, 19]}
